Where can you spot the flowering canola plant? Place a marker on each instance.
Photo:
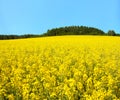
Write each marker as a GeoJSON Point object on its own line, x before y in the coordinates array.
{"type": "Point", "coordinates": [60, 68]}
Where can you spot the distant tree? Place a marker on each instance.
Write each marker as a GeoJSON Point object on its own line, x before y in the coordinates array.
{"type": "Point", "coordinates": [6, 37]}
{"type": "Point", "coordinates": [67, 30]}
{"type": "Point", "coordinates": [111, 33]}
{"type": "Point", "coordinates": [74, 30]}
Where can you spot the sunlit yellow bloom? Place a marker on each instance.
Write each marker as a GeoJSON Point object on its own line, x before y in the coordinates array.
{"type": "Point", "coordinates": [60, 68]}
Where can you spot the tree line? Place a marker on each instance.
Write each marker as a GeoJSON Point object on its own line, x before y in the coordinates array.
{"type": "Point", "coordinates": [74, 30]}
{"type": "Point", "coordinates": [68, 30]}
{"type": "Point", "coordinates": [6, 37]}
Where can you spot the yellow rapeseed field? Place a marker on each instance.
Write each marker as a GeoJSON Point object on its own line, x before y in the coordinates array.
{"type": "Point", "coordinates": [60, 68]}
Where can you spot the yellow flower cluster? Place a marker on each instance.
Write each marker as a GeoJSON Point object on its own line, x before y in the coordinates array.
{"type": "Point", "coordinates": [60, 68]}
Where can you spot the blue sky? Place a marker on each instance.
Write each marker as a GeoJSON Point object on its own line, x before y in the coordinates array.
{"type": "Point", "coordinates": [37, 16]}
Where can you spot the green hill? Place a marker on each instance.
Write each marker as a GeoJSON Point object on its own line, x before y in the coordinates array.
{"type": "Point", "coordinates": [74, 30]}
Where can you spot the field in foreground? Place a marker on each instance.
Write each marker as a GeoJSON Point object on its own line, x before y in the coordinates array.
{"type": "Point", "coordinates": [60, 68]}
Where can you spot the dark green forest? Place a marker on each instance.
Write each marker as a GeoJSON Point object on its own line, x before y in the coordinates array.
{"type": "Point", "coordinates": [67, 30]}
{"type": "Point", "coordinates": [74, 30]}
